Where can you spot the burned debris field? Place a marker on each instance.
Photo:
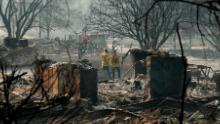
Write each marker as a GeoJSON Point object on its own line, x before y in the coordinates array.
{"type": "Point", "coordinates": [109, 62]}
{"type": "Point", "coordinates": [72, 93]}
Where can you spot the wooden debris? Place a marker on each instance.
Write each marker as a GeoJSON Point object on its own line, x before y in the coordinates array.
{"type": "Point", "coordinates": [60, 79]}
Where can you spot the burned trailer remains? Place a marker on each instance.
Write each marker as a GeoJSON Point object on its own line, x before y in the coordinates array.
{"type": "Point", "coordinates": [164, 72]}
{"type": "Point", "coordinates": [165, 75]}
{"type": "Point", "coordinates": [139, 56]}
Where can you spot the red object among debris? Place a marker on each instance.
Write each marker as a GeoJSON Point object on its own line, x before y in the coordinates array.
{"type": "Point", "coordinates": [84, 37]}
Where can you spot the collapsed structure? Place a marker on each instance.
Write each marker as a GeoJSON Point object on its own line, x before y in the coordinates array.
{"type": "Point", "coordinates": [73, 80]}
{"type": "Point", "coordinates": [164, 72]}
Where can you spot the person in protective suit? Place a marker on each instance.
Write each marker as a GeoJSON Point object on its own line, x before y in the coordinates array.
{"type": "Point", "coordinates": [115, 62]}
{"type": "Point", "coordinates": [105, 63]}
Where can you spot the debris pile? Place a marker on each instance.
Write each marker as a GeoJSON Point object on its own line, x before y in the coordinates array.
{"type": "Point", "coordinates": [149, 97]}
{"type": "Point", "coordinates": [121, 92]}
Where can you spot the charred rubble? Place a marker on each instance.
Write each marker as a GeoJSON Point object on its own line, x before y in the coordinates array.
{"type": "Point", "coordinates": [72, 93]}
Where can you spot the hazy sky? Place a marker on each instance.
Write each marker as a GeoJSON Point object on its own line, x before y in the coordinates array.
{"type": "Point", "coordinates": [85, 5]}
{"type": "Point", "coordinates": [79, 5]}
{"type": "Point", "coordinates": [82, 5]}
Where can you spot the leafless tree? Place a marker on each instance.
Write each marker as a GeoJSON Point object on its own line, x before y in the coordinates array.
{"type": "Point", "coordinates": [57, 14]}
{"type": "Point", "coordinates": [209, 27]}
{"type": "Point", "coordinates": [118, 17]}
{"type": "Point", "coordinates": [18, 16]}
{"type": "Point", "coordinates": [207, 18]}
